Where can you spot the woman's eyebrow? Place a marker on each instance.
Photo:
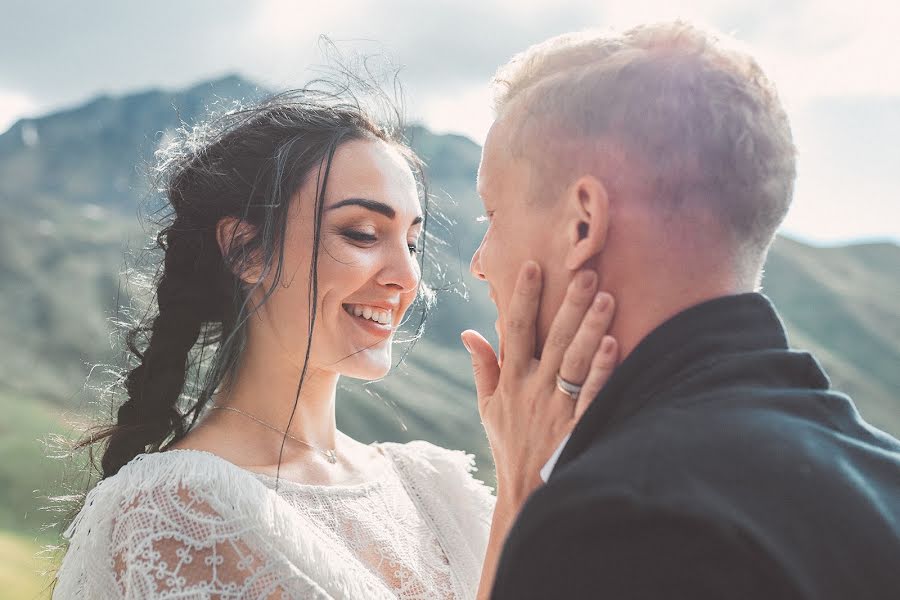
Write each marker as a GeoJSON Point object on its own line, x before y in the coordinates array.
{"type": "Point", "coordinates": [373, 205]}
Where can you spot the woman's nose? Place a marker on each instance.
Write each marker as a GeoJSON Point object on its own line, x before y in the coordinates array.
{"type": "Point", "coordinates": [402, 271]}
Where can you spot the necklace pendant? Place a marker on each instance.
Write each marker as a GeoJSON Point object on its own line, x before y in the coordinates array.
{"type": "Point", "coordinates": [331, 456]}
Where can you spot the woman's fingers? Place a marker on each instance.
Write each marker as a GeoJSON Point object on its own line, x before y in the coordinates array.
{"type": "Point", "coordinates": [518, 342]}
{"type": "Point", "coordinates": [602, 366]}
{"type": "Point", "coordinates": [567, 322]}
{"type": "Point", "coordinates": [577, 359]}
{"type": "Point", "coordinates": [485, 366]}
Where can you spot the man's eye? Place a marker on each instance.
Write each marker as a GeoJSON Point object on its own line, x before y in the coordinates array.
{"type": "Point", "coordinates": [358, 236]}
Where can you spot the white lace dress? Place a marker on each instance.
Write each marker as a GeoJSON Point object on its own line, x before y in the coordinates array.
{"type": "Point", "coordinates": [188, 524]}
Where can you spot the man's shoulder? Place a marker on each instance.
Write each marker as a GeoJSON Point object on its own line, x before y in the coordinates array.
{"type": "Point", "coordinates": [744, 449]}
{"type": "Point", "coordinates": [780, 469]}
{"type": "Point", "coordinates": [764, 495]}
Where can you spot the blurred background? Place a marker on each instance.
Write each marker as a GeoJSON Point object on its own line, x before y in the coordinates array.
{"type": "Point", "coordinates": [89, 90]}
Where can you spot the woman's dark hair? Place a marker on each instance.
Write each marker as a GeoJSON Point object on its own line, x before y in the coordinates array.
{"type": "Point", "coordinates": [246, 164]}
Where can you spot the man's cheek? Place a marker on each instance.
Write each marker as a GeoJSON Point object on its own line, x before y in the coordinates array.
{"type": "Point", "coordinates": [546, 314]}
{"type": "Point", "coordinates": [498, 329]}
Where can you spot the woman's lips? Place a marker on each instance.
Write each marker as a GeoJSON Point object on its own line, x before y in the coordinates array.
{"type": "Point", "coordinates": [380, 329]}
{"type": "Point", "coordinates": [375, 313]}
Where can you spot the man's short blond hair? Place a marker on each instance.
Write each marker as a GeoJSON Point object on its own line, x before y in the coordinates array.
{"type": "Point", "coordinates": [695, 109]}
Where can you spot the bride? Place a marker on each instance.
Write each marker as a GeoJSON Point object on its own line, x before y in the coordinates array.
{"type": "Point", "coordinates": [290, 257]}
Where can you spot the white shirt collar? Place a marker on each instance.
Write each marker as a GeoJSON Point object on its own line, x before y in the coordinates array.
{"type": "Point", "coordinates": [548, 468]}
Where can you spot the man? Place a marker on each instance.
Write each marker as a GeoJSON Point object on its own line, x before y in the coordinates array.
{"type": "Point", "coordinates": [715, 462]}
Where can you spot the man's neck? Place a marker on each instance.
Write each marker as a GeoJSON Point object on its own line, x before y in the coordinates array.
{"type": "Point", "coordinates": [642, 308]}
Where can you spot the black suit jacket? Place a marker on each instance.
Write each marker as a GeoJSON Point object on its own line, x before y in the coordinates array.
{"type": "Point", "coordinates": [715, 463]}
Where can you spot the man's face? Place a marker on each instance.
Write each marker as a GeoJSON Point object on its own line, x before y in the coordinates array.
{"type": "Point", "coordinates": [521, 226]}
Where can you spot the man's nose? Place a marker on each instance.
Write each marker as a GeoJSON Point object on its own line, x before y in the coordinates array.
{"type": "Point", "coordinates": [475, 265]}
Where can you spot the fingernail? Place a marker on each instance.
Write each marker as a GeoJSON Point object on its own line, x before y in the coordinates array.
{"type": "Point", "coordinates": [607, 345]}
{"type": "Point", "coordinates": [601, 301]}
{"type": "Point", "coordinates": [586, 279]}
{"type": "Point", "coordinates": [465, 344]}
{"type": "Point", "coordinates": [531, 270]}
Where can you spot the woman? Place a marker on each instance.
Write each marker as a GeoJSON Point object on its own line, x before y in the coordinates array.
{"type": "Point", "coordinates": [290, 260]}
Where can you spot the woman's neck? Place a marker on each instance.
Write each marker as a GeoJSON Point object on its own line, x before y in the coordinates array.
{"type": "Point", "coordinates": [265, 386]}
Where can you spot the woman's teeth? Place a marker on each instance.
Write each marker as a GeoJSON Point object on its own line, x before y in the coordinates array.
{"type": "Point", "coordinates": [368, 312]}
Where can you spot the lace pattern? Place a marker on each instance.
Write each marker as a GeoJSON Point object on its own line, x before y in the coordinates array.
{"type": "Point", "coordinates": [377, 528]}
{"type": "Point", "coordinates": [188, 524]}
{"type": "Point", "coordinates": [172, 543]}
{"type": "Point", "coordinates": [462, 534]}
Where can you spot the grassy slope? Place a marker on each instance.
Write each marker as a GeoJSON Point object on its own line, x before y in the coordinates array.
{"type": "Point", "coordinates": [26, 472]}
{"type": "Point", "coordinates": [20, 577]}
{"type": "Point", "coordinates": [841, 304]}
{"type": "Point", "coordinates": [27, 477]}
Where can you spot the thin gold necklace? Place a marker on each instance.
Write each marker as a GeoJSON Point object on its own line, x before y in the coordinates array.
{"type": "Point", "coordinates": [330, 455]}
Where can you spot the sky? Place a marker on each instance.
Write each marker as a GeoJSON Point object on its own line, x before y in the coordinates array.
{"type": "Point", "coordinates": [834, 63]}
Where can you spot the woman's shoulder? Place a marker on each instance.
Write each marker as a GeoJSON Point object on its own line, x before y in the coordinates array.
{"type": "Point", "coordinates": [450, 473]}
{"type": "Point", "coordinates": [420, 453]}
{"type": "Point", "coordinates": [150, 482]}
{"type": "Point", "coordinates": [171, 469]}
{"type": "Point", "coordinates": [163, 510]}
{"type": "Point", "coordinates": [460, 507]}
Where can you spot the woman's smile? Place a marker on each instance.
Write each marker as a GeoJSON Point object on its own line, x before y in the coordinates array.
{"type": "Point", "coordinates": [377, 320]}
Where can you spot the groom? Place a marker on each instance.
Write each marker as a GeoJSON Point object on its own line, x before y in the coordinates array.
{"type": "Point", "coordinates": [716, 462]}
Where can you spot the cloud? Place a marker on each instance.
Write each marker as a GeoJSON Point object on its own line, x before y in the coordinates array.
{"type": "Point", "coordinates": [813, 48]}
{"type": "Point", "coordinates": [59, 53]}
{"type": "Point", "coordinates": [439, 44]}
{"type": "Point", "coordinates": [13, 106]}
{"type": "Point", "coordinates": [847, 186]}
{"type": "Point", "coordinates": [456, 110]}
{"type": "Point", "coordinates": [831, 49]}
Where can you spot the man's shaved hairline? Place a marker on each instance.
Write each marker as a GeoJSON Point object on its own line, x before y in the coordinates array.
{"type": "Point", "coordinates": [558, 156]}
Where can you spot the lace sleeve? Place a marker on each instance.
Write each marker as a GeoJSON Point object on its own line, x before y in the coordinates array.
{"type": "Point", "coordinates": [458, 505]}
{"type": "Point", "coordinates": [172, 542]}
{"type": "Point", "coordinates": [456, 472]}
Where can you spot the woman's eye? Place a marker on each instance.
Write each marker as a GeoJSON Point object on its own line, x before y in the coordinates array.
{"type": "Point", "coordinates": [368, 238]}
{"type": "Point", "coordinates": [359, 236]}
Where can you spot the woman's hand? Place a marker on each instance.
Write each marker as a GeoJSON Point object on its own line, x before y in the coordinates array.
{"type": "Point", "coordinates": [525, 414]}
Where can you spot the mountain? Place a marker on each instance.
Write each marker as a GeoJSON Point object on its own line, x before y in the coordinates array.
{"type": "Point", "coordinates": [71, 184]}
{"type": "Point", "coordinates": [843, 304]}
{"type": "Point", "coordinates": [66, 156]}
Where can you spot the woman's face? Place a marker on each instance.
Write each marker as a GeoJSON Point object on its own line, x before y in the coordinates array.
{"type": "Point", "coordinates": [368, 270]}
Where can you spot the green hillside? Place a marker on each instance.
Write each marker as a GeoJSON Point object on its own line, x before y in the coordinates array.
{"type": "Point", "coordinates": [843, 304]}
{"type": "Point", "coordinates": [27, 477]}
{"type": "Point", "coordinates": [19, 569]}
{"type": "Point", "coordinates": [71, 185]}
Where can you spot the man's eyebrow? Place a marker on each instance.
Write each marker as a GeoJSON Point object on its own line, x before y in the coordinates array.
{"type": "Point", "coordinates": [373, 205]}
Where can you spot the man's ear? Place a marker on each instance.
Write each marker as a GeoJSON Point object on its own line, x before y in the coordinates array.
{"type": "Point", "coordinates": [233, 234]}
{"type": "Point", "coordinates": [588, 223]}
